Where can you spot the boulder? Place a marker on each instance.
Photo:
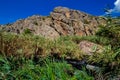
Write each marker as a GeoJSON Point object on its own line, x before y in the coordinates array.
{"type": "Point", "coordinates": [89, 48]}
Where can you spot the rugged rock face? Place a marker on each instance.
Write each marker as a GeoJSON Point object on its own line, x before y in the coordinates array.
{"type": "Point", "coordinates": [62, 21]}
{"type": "Point", "coordinates": [89, 48]}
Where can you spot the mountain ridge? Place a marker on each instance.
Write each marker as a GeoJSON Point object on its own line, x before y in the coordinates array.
{"type": "Point", "coordinates": [62, 21]}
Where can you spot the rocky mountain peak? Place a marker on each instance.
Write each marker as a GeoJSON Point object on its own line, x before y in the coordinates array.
{"type": "Point", "coordinates": [62, 21]}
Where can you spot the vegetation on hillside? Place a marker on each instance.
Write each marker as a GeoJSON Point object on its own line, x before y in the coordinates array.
{"type": "Point", "coordinates": [26, 56]}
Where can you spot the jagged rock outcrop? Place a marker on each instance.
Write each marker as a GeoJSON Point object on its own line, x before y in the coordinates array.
{"type": "Point", "coordinates": [62, 21]}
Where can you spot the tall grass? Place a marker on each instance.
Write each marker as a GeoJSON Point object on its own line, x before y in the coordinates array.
{"type": "Point", "coordinates": [46, 69]}
{"type": "Point", "coordinates": [35, 46]}
{"type": "Point", "coordinates": [24, 57]}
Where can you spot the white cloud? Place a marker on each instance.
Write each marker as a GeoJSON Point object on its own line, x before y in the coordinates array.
{"type": "Point", "coordinates": [117, 6]}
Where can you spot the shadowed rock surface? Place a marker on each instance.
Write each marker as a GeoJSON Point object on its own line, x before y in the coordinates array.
{"type": "Point", "coordinates": [62, 21]}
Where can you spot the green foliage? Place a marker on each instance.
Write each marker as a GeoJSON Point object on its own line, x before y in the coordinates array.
{"type": "Point", "coordinates": [46, 69]}
{"type": "Point", "coordinates": [27, 31]}
{"type": "Point", "coordinates": [109, 58]}
{"type": "Point", "coordinates": [96, 39]}
{"type": "Point", "coordinates": [35, 45]}
{"type": "Point", "coordinates": [111, 31]}
{"type": "Point", "coordinates": [108, 61]}
{"type": "Point", "coordinates": [19, 51]}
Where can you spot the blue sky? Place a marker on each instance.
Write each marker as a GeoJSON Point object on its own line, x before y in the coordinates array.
{"type": "Point", "coordinates": [11, 10]}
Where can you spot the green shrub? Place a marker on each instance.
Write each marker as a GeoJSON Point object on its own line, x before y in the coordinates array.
{"type": "Point", "coordinates": [27, 31]}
